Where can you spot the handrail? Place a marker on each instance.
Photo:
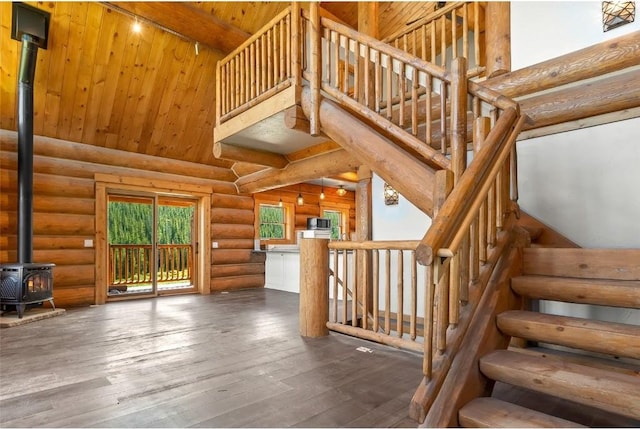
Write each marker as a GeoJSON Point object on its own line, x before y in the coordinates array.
{"type": "Point", "coordinates": [465, 199]}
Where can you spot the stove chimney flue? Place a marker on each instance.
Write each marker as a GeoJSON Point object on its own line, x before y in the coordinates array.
{"type": "Point", "coordinates": [30, 26]}
{"type": "Point", "coordinates": [26, 77]}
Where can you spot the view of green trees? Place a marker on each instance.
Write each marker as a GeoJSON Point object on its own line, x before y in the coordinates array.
{"type": "Point", "coordinates": [334, 216]}
{"type": "Point", "coordinates": [131, 223]}
{"type": "Point", "coordinates": [272, 222]}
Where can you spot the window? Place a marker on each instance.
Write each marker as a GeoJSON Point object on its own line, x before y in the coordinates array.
{"type": "Point", "coordinates": [339, 215]}
{"type": "Point", "coordinates": [272, 222]}
{"type": "Point", "coordinates": [336, 223]}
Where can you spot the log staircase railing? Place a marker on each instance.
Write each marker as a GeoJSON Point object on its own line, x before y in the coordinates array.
{"type": "Point", "coordinates": [390, 309]}
{"type": "Point", "coordinates": [434, 38]}
{"type": "Point", "coordinates": [432, 113]}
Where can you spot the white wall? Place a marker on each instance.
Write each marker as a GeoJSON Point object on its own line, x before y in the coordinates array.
{"type": "Point", "coordinates": [403, 221]}
{"type": "Point", "coordinates": [541, 30]}
{"type": "Point", "coordinates": [583, 183]}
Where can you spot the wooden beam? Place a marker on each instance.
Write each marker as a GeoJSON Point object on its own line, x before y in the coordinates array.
{"type": "Point", "coordinates": [350, 176]}
{"type": "Point", "coordinates": [498, 37]}
{"type": "Point", "coordinates": [188, 21]}
{"type": "Point", "coordinates": [606, 57]}
{"type": "Point", "coordinates": [253, 156]}
{"type": "Point", "coordinates": [368, 18]}
{"type": "Point", "coordinates": [307, 169]}
{"type": "Point", "coordinates": [412, 178]}
{"type": "Point", "coordinates": [295, 119]}
{"type": "Point", "coordinates": [612, 94]}
{"type": "Point", "coordinates": [310, 151]}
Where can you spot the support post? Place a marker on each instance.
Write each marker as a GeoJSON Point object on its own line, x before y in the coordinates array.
{"type": "Point", "coordinates": [296, 60]}
{"type": "Point", "coordinates": [316, 67]}
{"type": "Point", "coordinates": [458, 117]}
{"type": "Point", "coordinates": [498, 38]}
{"type": "Point", "coordinates": [368, 24]}
{"type": "Point", "coordinates": [364, 233]}
{"type": "Point", "coordinates": [314, 287]}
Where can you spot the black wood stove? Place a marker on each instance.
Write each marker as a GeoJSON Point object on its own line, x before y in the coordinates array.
{"type": "Point", "coordinates": [25, 283]}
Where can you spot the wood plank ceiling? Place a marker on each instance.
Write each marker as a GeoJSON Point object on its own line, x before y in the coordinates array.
{"type": "Point", "coordinates": [102, 84]}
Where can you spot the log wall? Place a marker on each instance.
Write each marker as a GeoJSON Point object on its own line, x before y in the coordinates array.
{"type": "Point", "coordinates": [311, 206]}
{"type": "Point", "coordinates": [65, 216]}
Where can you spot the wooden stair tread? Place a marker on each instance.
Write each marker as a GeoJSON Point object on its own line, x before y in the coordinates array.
{"type": "Point", "coordinates": [491, 412]}
{"type": "Point", "coordinates": [606, 390]}
{"type": "Point", "coordinates": [617, 339]}
{"type": "Point", "coordinates": [615, 293]}
{"type": "Point", "coordinates": [629, 367]}
{"type": "Point", "coordinates": [618, 264]}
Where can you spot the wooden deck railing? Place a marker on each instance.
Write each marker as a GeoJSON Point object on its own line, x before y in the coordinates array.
{"type": "Point", "coordinates": [436, 39]}
{"type": "Point", "coordinates": [132, 264]}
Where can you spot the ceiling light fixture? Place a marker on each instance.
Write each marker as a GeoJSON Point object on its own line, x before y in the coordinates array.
{"type": "Point", "coordinates": [300, 199]}
{"type": "Point", "coordinates": [341, 191]}
{"type": "Point", "coordinates": [322, 190]}
{"type": "Point", "coordinates": [617, 13]}
{"type": "Point", "coordinates": [136, 26]}
{"type": "Point", "coordinates": [390, 195]}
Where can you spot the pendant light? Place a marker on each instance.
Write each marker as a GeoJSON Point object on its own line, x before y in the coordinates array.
{"type": "Point", "coordinates": [300, 199]}
{"type": "Point", "coordinates": [322, 191]}
{"type": "Point", "coordinates": [341, 191]}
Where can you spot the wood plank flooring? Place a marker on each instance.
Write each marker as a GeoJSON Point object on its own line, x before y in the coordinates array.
{"type": "Point", "coordinates": [223, 360]}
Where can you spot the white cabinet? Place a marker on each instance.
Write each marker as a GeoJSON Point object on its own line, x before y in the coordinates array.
{"type": "Point", "coordinates": [282, 271]}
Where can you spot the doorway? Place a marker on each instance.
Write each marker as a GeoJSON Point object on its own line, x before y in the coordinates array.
{"type": "Point", "coordinates": [151, 245]}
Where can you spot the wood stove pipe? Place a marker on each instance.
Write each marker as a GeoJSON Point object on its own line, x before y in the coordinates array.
{"type": "Point", "coordinates": [26, 76]}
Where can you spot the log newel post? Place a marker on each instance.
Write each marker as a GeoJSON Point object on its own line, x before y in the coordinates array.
{"type": "Point", "coordinates": [498, 38]}
{"type": "Point", "coordinates": [218, 94]}
{"type": "Point", "coordinates": [314, 287]}
{"type": "Point", "coordinates": [296, 60]}
{"type": "Point", "coordinates": [364, 233]}
{"type": "Point", "coordinates": [316, 68]}
{"type": "Point", "coordinates": [458, 117]}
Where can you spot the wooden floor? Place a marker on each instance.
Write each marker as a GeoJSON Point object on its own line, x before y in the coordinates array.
{"type": "Point", "coordinates": [224, 360]}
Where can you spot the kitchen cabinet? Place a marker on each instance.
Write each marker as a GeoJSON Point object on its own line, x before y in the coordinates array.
{"type": "Point", "coordinates": [282, 271]}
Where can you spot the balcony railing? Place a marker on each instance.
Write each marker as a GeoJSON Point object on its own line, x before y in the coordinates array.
{"type": "Point", "coordinates": [131, 264]}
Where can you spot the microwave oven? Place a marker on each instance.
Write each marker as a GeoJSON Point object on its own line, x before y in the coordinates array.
{"type": "Point", "coordinates": [318, 223]}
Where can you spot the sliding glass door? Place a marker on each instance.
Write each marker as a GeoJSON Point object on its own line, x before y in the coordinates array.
{"type": "Point", "coordinates": [151, 245]}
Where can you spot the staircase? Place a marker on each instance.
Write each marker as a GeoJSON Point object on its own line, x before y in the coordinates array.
{"type": "Point", "coordinates": [599, 365]}
{"type": "Point", "coordinates": [412, 123]}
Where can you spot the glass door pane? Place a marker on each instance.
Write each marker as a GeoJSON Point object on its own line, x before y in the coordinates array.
{"type": "Point", "coordinates": [131, 253]}
{"type": "Point", "coordinates": [176, 245]}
